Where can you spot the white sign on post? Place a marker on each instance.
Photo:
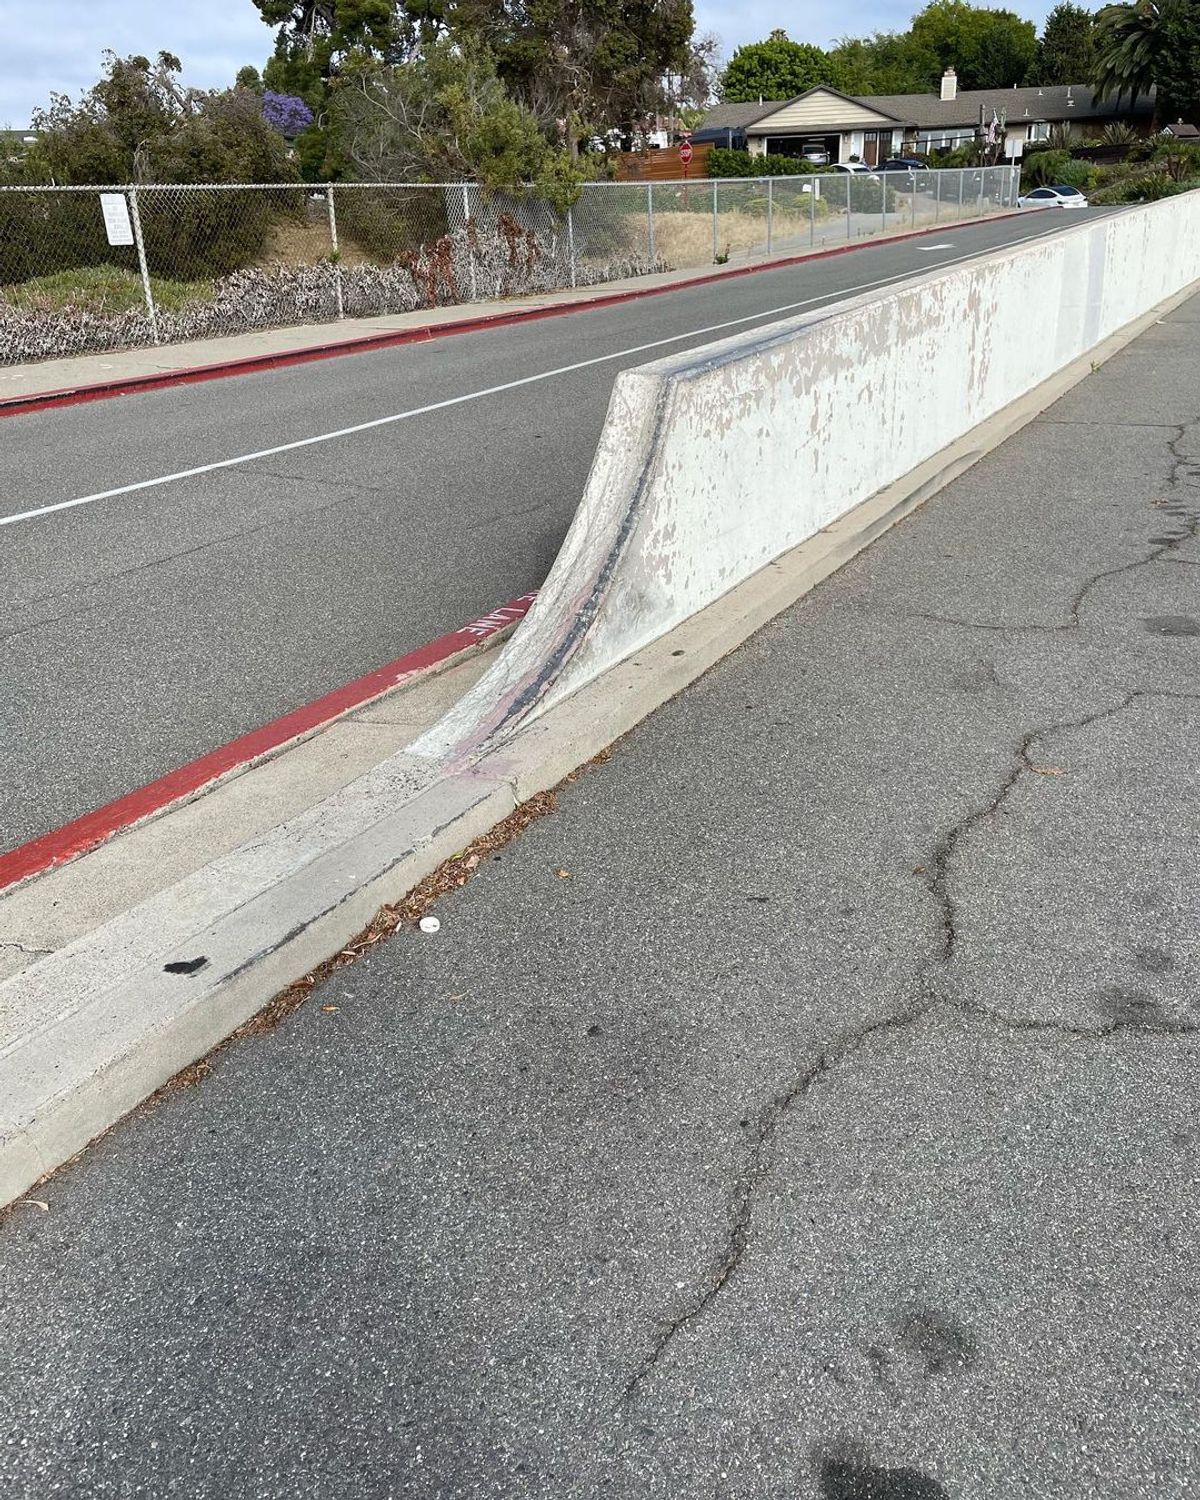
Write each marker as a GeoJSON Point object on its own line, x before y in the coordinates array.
{"type": "Point", "coordinates": [116, 218]}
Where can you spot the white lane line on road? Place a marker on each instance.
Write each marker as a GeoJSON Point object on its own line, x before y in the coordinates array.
{"type": "Point", "coordinates": [491, 390]}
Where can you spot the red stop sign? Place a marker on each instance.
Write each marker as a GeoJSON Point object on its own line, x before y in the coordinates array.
{"type": "Point", "coordinates": [685, 152]}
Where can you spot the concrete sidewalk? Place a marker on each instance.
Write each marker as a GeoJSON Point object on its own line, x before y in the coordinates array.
{"type": "Point", "coordinates": [804, 1108]}
{"type": "Point", "coordinates": [88, 370]}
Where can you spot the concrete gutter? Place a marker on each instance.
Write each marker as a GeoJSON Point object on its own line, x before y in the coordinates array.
{"type": "Point", "coordinates": [62, 845]}
{"type": "Point", "coordinates": [90, 1030]}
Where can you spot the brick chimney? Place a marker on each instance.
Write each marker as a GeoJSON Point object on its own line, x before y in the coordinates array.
{"type": "Point", "coordinates": [949, 85]}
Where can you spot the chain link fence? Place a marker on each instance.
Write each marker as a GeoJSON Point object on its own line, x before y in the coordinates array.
{"type": "Point", "coordinates": [91, 269]}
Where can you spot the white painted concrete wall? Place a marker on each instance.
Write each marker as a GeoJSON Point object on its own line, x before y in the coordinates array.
{"type": "Point", "coordinates": [715, 462]}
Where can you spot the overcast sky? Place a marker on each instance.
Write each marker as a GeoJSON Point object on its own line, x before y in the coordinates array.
{"type": "Point", "coordinates": [55, 45]}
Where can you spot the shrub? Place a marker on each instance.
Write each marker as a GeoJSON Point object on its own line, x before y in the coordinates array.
{"type": "Point", "coordinates": [387, 222]}
{"type": "Point", "coordinates": [726, 163]}
{"type": "Point", "coordinates": [968, 154]}
{"type": "Point", "coordinates": [1048, 168]}
{"type": "Point", "coordinates": [1177, 160]}
{"type": "Point", "coordinates": [196, 234]}
{"type": "Point", "coordinates": [1144, 186]}
{"type": "Point", "coordinates": [1152, 186]}
{"type": "Point", "coordinates": [139, 124]}
{"type": "Point", "coordinates": [1042, 167]}
{"type": "Point", "coordinates": [43, 233]}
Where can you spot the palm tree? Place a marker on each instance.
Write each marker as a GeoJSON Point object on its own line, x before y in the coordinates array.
{"type": "Point", "coordinates": [1129, 49]}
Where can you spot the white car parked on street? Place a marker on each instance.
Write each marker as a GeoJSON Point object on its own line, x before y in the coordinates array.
{"type": "Point", "coordinates": [1053, 197]}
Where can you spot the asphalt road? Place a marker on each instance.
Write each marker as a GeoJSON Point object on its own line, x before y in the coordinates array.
{"type": "Point", "coordinates": [140, 630]}
{"type": "Point", "coordinates": [806, 1110]}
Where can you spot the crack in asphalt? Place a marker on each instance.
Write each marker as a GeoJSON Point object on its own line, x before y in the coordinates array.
{"type": "Point", "coordinates": [1162, 552]}
{"type": "Point", "coordinates": [1133, 1021]}
{"type": "Point", "coordinates": [938, 869]}
{"type": "Point", "coordinates": [742, 1197]}
{"type": "Point", "coordinates": [25, 948]}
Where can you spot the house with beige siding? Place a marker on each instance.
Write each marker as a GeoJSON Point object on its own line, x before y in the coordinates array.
{"type": "Point", "coordinates": [872, 128]}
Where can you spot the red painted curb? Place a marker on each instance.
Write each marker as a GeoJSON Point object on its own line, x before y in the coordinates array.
{"type": "Point", "coordinates": [73, 839]}
{"type": "Point", "coordinates": [253, 363]}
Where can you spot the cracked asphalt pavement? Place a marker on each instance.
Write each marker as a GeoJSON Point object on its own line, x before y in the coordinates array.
{"type": "Point", "coordinates": [806, 1108]}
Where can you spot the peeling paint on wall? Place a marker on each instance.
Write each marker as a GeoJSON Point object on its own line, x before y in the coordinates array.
{"type": "Point", "coordinates": [714, 462]}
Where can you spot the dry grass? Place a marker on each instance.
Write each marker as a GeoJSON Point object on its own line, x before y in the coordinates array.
{"type": "Point", "coordinates": [296, 244]}
{"type": "Point", "coordinates": [685, 240]}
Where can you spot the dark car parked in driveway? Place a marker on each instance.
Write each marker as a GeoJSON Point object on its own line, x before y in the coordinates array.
{"type": "Point", "coordinates": [902, 164]}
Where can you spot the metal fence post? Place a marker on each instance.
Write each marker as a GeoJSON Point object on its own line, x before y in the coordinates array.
{"type": "Point", "coordinates": [770, 211]}
{"type": "Point", "coordinates": [937, 196]}
{"type": "Point", "coordinates": [470, 246]}
{"type": "Point", "coordinates": [147, 290]}
{"type": "Point", "coordinates": [337, 257]}
{"type": "Point", "coordinates": [914, 201]}
{"type": "Point", "coordinates": [962, 185]}
{"type": "Point", "coordinates": [571, 242]}
{"type": "Point", "coordinates": [812, 212]}
{"type": "Point", "coordinates": [982, 179]}
{"type": "Point", "coordinates": [849, 213]}
{"type": "Point", "coordinates": [883, 203]}
{"type": "Point", "coordinates": [716, 239]}
{"type": "Point", "coordinates": [650, 217]}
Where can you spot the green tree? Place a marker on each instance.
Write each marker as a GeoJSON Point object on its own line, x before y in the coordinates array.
{"type": "Point", "coordinates": [140, 123]}
{"type": "Point", "coordinates": [886, 63]}
{"type": "Point", "coordinates": [1130, 43]}
{"type": "Point", "coordinates": [582, 65]}
{"type": "Point", "coordinates": [1066, 52]}
{"type": "Point", "coordinates": [989, 49]}
{"type": "Point", "coordinates": [776, 69]}
{"type": "Point", "coordinates": [320, 33]}
{"type": "Point", "coordinates": [313, 40]}
{"type": "Point", "coordinates": [443, 116]}
{"type": "Point", "coordinates": [1178, 71]}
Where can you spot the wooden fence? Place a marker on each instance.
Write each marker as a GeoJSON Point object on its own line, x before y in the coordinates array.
{"type": "Point", "coordinates": [662, 165]}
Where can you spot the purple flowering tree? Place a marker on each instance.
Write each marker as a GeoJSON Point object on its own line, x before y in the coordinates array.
{"type": "Point", "coordinates": [286, 113]}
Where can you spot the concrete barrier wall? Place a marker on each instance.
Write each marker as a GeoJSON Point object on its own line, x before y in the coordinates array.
{"type": "Point", "coordinates": [715, 462]}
